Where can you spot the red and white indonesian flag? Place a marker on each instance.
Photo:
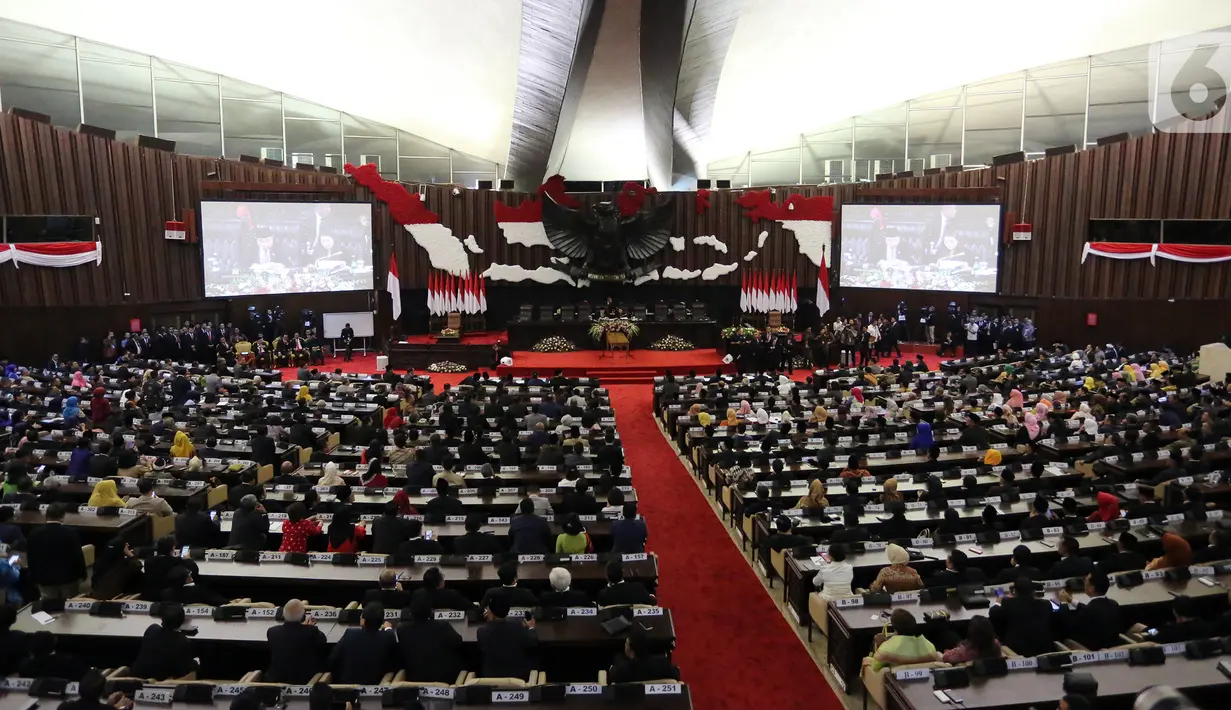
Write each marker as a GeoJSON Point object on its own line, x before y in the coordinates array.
{"type": "Point", "coordinates": [53, 254]}
{"type": "Point", "coordinates": [1190, 253]}
{"type": "Point", "coordinates": [822, 288]}
{"type": "Point", "coordinates": [393, 285]}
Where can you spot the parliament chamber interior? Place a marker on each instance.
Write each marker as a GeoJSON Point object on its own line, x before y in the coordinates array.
{"type": "Point", "coordinates": [519, 351]}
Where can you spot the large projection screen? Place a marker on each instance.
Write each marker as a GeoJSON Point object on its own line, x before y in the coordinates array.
{"type": "Point", "coordinates": [285, 247]}
{"type": "Point", "coordinates": [920, 247]}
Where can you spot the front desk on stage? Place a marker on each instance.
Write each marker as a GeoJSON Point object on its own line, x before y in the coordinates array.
{"type": "Point", "coordinates": [524, 334]}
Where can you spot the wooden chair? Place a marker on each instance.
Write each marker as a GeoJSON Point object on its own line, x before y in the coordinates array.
{"type": "Point", "coordinates": [161, 525]}
{"type": "Point", "coordinates": [874, 681]}
{"type": "Point", "coordinates": [264, 473]}
{"type": "Point", "coordinates": [216, 496]}
{"type": "Point", "coordinates": [818, 614]}
{"type": "Point", "coordinates": [305, 455]}
{"type": "Point", "coordinates": [777, 562]}
{"type": "Point", "coordinates": [454, 321]}
{"type": "Point", "coordinates": [536, 678]}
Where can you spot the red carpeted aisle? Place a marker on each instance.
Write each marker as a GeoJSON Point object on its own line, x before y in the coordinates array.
{"type": "Point", "coordinates": [735, 649]}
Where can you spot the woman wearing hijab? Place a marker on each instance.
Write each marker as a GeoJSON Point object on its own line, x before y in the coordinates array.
{"type": "Point", "coordinates": [857, 394]}
{"type": "Point", "coordinates": [104, 495]}
{"type": "Point", "coordinates": [1089, 384]}
{"type": "Point", "coordinates": [1108, 508]}
{"type": "Point", "coordinates": [303, 395]}
{"type": "Point", "coordinates": [1176, 553]}
{"type": "Point", "coordinates": [344, 534]}
{"type": "Point", "coordinates": [1090, 426]}
{"type": "Point", "coordinates": [815, 497]}
{"type": "Point", "coordinates": [922, 439]}
{"type": "Point", "coordinates": [79, 380]}
{"type": "Point", "coordinates": [745, 409]}
{"type": "Point", "coordinates": [1031, 428]}
{"type": "Point", "coordinates": [374, 452]}
{"type": "Point", "coordinates": [889, 491]}
{"type": "Point", "coordinates": [182, 448]}
{"type": "Point", "coordinates": [1016, 401]}
{"type": "Point", "coordinates": [762, 416]}
{"type": "Point", "coordinates": [819, 416]}
{"type": "Point", "coordinates": [992, 457]}
{"type": "Point", "coordinates": [1157, 369]}
{"type": "Point", "coordinates": [330, 477]}
{"type": "Point", "coordinates": [898, 576]}
{"type": "Point", "coordinates": [100, 408]}
{"type": "Point", "coordinates": [392, 420]}
{"type": "Point", "coordinates": [1083, 411]}
{"type": "Point", "coordinates": [732, 418]}
{"type": "Point", "coordinates": [72, 412]}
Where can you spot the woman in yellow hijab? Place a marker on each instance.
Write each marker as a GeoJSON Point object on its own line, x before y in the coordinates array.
{"type": "Point", "coordinates": [992, 457]}
{"type": "Point", "coordinates": [1158, 368]}
{"type": "Point", "coordinates": [182, 448]}
{"type": "Point", "coordinates": [304, 395]}
{"type": "Point", "coordinates": [104, 495]}
{"type": "Point", "coordinates": [1130, 375]}
{"type": "Point", "coordinates": [732, 417]}
{"type": "Point", "coordinates": [816, 496]}
{"type": "Point", "coordinates": [1089, 384]}
{"type": "Point", "coordinates": [819, 415]}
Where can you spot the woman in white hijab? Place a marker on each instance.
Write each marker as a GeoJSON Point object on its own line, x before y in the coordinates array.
{"type": "Point", "coordinates": [330, 477]}
{"type": "Point", "coordinates": [785, 386]}
{"type": "Point", "coordinates": [762, 416]}
{"type": "Point", "coordinates": [1090, 426]}
{"type": "Point", "coordinates": [1083, 412]}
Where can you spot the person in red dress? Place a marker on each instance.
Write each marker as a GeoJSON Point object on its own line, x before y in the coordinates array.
{"type": "Point", "coordinates": [297, 528]}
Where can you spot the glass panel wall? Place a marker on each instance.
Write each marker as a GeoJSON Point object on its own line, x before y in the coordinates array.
{"type": "Point", "coordinates": [77, 81]}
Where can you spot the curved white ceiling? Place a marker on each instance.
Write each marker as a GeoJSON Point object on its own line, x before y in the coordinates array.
{"type": "Point", "coordinates": [795, 66]}
{"type": "Point", "coordinates": [445, 70]}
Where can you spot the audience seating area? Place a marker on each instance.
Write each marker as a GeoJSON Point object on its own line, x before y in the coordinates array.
{"type": "Point", "coordinates": [488, 526]}
{"type": "Point", "coordinates": [995, 488]}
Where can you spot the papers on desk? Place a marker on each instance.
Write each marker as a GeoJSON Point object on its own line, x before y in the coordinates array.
{"type": "Point", "coordinates": [42, 617]}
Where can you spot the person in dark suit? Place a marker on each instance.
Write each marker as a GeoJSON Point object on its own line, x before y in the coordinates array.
{"type": "Point", "coordinates": [1188, 624]}
{"type": "Point", "coordinates": [1125, 558]}
{"type": "Point", "coordinates": [783, 538]}
{"type": "Point", "coordinates": [363, 655]}
{"type": "Point", "coordinates": [264, 452]}
{"type": "Point", "coordinates": [90, 691]}
{"type": "Point", "coordinates": [56, 563]}
{"type": "Point", "coordinates": [1022, 566]}
{"type": "Point", "coordinates": [14, 645]}
{"type": "Point", "coordinates": [561, 594]}
{"type": "Point", "coordinates": [193, 527]}
{"type": "Point", "coordinates": [165, 651]}
{"type": "Point", "coordinates": [46, 662]}
{"type": "Point", "coordinates": [436, 595]}
{"type": "Point", "coordinates": [629, 534]}
{"type": "Point", "coordinates": [1072, 563]}
{"type": "Point", "coordinates": [1145, 507]}
{"type": "Point", "coordinates": [249, 526]}
{"type": "Point", "coordinates": [444, 504]}
{"type": "Point", "coordinates": [516, 596]}
{"type": "Point", "coordinates": [389, 531]}
{"type": "Point", "coordinates": [1097, 624]}
{"type": "Point", "coordinates": [476, 542]}
{"type": "Point", "coordinates": [1023, 620]}
{"type": "Point", "coordinates": [957, 571]}
{"type": "Point", "coordinates": [297, 648]}
{"type": "Point", "coordinates": [638, 663]}
{"type": "Point", "coordinates": [155, 579]}
{"type": "Point", "coordinates": [416, 544]}
{"type": "Point", "coordinates": [430, 649]}
{"type": "Point", "coordinates": [531, 534]}
{"type": "Point", "coordinates": [618, 591]}
{"type": "Point", "coordinates": [850, 530]}
{"type": "Point", "coordinates": [390, 594]}
{"type": "Point", "coordinates": [247, 486]}
{"type": "Point", "coordinates": [579, 501]}
{"type": "Point", "coordinates": [506, 644]}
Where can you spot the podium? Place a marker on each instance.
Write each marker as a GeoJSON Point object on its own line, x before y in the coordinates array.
{"type": "Point", "coordinates": [1215, 361]}
{"type": "Point", "coordinates": [616, 341]}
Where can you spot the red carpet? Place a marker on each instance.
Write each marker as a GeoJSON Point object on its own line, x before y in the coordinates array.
{"type": "Point", "coordinates": [734, 648]}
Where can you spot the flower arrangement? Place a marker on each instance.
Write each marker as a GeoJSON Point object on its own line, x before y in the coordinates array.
{"type": "Point", "coordinates": [781, 330]}
{"type": "Point", "coordinates": [739, 331]}
{"type": "Point", "coordinates": [446, 367]}
{"type": "Point", "coordinates": [674, 343]}
{"type": "Point", "coordinates": [554, 344]}
{"type": "Point", "coordinates": [602, 326]}
{"type": "Point", "coordinates": [449, 332]}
